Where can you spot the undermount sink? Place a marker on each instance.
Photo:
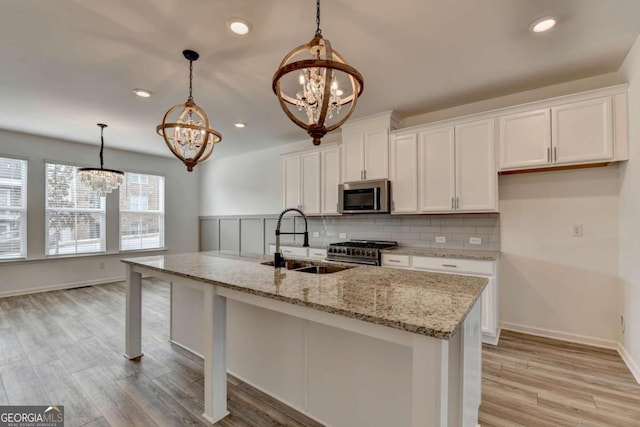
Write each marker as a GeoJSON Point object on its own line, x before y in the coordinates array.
{"type": "Point", "coordinates": [310, 267]}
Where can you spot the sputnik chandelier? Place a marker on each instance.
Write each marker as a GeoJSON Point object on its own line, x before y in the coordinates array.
{"type": "Point", "coordinates": [324, 83]}
{"type": "Point", "coordinates": [101, 181]}
{"type": "Point", "coordinates": [185, 127]}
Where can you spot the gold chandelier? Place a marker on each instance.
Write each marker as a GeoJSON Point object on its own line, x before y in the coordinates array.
{"type": "Point", "coordinates": [185, 127]}
{"type": "Point", "coordinates": [325, 83]}
{"type": "Point", "coordinates": [101, 181]}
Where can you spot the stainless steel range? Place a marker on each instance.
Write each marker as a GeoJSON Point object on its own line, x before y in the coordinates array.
{"type": "Point", "coordinates": [359, 251]}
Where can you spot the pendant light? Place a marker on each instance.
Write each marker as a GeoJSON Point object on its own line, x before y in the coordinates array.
{"type": "Point", "coordinates": [101, 181]}
{"type": "Point", "coordinates": [185, 127]}
{"type": "Point", "coordinates": [322, 82]}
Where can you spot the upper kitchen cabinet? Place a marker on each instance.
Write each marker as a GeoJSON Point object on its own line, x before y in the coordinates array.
{"type": "Point", "coordinates": [310, 181]}
{"type": "Point", "coordinates": [365, 147]}
{"type": "Point", "coordinates": [572, 131]}
{"type": "Point", "coordinates": [445, 169]}
{"type": "Point", "coordinates": [457, 168]}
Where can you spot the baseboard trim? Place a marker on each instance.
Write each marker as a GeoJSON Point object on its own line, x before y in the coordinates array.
{"type": "Point", "coordinates": [58, 287]}
{"type": "Point", "coordinates": [628, 360]}
{"type": "Point", "coordinates": [564, 336]}
{"type": "Point", "coordinates": [491, 339]}
{"type": "Point", "coordinates": [184, 347]}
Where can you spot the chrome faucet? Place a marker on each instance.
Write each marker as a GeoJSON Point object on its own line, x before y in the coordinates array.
{"type": "Point", "coordinates": [277, 256]}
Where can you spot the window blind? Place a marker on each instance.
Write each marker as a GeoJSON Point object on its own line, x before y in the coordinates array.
{"type": "Point", "coordinates": [75, 215]}
{"type": "Point", "coordinates": [13, 208]}
{"type": "Point", "coordinates": [141, 212]}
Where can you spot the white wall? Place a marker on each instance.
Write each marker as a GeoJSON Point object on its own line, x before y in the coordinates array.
{"type": "Point", "coordinates": [246, 184]}
{"type": "Point", "coordinates": [552, 283]}
{"type": "Point", "coordinates": [40, 273]}
{"type": "Point", "coordinates": [630, 218]}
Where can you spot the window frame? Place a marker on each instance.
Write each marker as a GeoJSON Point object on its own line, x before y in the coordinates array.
{"type": "Point", "coordinates": [142, 179]}
{"type": "Point", "coordinates": [73, 210]}
{"type": "Point", "coordinates": [22, 209]}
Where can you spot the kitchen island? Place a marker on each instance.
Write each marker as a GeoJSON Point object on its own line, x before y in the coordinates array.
{"type": "Point", "coordinates": [432, 319]}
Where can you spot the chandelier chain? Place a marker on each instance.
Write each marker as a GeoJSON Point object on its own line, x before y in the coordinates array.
{"type": "Point", "coordinates": [101, 145]}
{"type": "Point", "coordinates": [190, 79]}
{"type": "Point", "coordinates": [318, 30]}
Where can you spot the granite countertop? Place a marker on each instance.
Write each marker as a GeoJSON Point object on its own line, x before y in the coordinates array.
{"type": "Point", "coordinates": [445, 253]}
{"type": "Point", "coordinates": [431, 304]}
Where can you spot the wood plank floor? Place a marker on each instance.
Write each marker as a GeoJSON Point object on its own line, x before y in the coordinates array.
{"type": "Point", "coordinates": [65, 347]}
{"type": "Point", "coordinates": [533, 381]}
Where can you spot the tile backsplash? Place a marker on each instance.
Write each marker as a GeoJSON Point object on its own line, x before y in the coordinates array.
{"type": "Point", "coordinates": [408, 230]}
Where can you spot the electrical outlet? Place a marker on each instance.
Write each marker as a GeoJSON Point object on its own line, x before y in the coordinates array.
{"type": "Point", "coordinates": [475, 240]}
{"type": "Point", "coordinates": [331, 233]}
{"type": "Point", "coordinates": [343, 235]}
{"type": "Point", "coordinates": [576, 230]}
{"type": "Point", "coordinates": [441, 239]}
{"type": "Point", "coordinates": [316, 234]}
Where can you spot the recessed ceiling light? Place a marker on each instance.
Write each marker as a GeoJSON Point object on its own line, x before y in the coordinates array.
{"type": "Point", "coordinates": [543, 24]}
{"type": "Point", "coordinates": [239, 125]}
{"type": "Point", "coordinates": [239, 26]}
{"type": "Point", "coordinates": [143, 93]}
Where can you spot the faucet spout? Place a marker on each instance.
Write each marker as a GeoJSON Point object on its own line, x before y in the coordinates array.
{"type": "Point", "coordinates": [278, 259]}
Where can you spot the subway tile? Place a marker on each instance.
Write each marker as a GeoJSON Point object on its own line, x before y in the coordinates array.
{"type": "Point", "coordinates": [481, 221]}
{"type": "Point", "coordinates": [447, 221]}
{"type": "Point", "coordinates": [426, 228]}
{"type": "Point", "coordinates": [488, 230]}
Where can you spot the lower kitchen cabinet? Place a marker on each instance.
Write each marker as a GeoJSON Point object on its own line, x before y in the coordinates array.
{"type": "Point", "coordinates": [469, 267]}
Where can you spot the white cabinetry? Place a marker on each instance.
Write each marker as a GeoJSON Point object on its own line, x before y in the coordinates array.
{"type": "Point", "coordinates": [404, 174]}
{"type": "Point", "coordinates": [365, 152]}
{"type": "Point", "coordinates": [456, 168]}
{"type": "Point", "coordinates": [329, 180]}
{"type": "Point", "coordinates": [470, 267]}
{"type": "Point", "coordinates": [445, 169]}
{"type": "Point", "coordinates": [589, 130]}
{"type": "Point", "coordinates": [310, 181]}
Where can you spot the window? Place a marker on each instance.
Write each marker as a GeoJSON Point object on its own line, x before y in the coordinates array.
{"type": "Point", "coordinates": [13, 208]}
{"type": "Point", "coordinates": [136, 178]}
{"type": "Point", "coordinates": [75, 216]}
{"type": "Point", "coordinates": [141, 212]}
{"type": "Point", "coordinates": [138, 203]}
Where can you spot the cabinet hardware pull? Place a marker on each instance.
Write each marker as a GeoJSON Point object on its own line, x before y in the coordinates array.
{"type": "Point", "coordinates": [449, 265]}
{"type": "Point", "coordinates": [393, 260]}
{"type": "Point", "coordinates": [555, 154]}
{"type": "Point", "coordinates": [452, 207]}
{"type": "Point", "coordinates": [548, 155]}
{"type": "Point", "coordinates": [457, 202]}
{"type": "Point", "coordinates": [361, 174]}
{"type": "Point", "coordinates": [365, 174]}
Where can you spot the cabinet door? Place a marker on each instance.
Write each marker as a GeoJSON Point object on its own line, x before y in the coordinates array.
{"type": "Point", "coordinates": [525, 139]}
{"type": "Point", "coordinates": [353, 157]}
{"type": "Point", "coordinates": [310, 194]}
{"type": "Point", "coordinates": [291, 177]}
{"type": "Point", "coordinates": [582, 131]}
{"type": "Point", "coordinates": [329, 180]}
{"type": "Point", "coordinates": [476, 174]}
{"type": "Point", "coordinates": [404, 174]}
{"type": "Point", "coordinates": [436, 154]}
{"type": "Point", "coordinates": [376, 154]}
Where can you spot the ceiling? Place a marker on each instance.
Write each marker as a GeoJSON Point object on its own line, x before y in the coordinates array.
{"type": "Point", "coordinates": [69, 64]}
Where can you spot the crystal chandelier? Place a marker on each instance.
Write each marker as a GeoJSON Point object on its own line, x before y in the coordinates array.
{"type": "Point", "coordinates": [323, 83]}
{"type": "Point", "coordinates": [185, 127]}
{"type": "Point", "coordinates": [101, 181]}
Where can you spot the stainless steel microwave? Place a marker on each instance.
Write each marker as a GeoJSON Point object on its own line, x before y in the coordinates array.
{"type": "Point", "coordinates": [364, 197]}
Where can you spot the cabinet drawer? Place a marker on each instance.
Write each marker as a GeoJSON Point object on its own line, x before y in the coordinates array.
{"type": "Point", "coordinates": [390, 260]}
{"type": "Point", "coordinates": [317, 253]}
{"type": "Point", "coordinates": [454, 265]}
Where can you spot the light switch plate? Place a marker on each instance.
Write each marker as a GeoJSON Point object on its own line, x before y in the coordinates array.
{"type": "Point", "coordinates": [343, 235]}
{"type": "Point", "coordinates": [441, 239]}
{"type": "Point", "coordinates": [316, 234]}
{"type": "Point", "coordinates": [576, 230]}
{"type": "Point", "coordinates": [475, 240]}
